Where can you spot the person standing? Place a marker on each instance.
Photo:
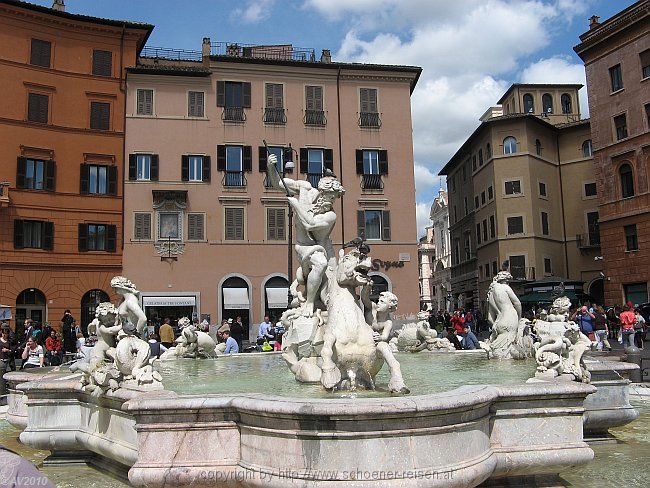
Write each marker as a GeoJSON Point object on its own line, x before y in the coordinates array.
{"type": "Point", "coordinates": [167, 334]}
{"type": "Point", "coordinates": [231, 344]}
{"type": "Point", "coordinates": [263, 333]}
{"type": "Point", "coordinates": [237, 333]}
{"type": "Point", "coordinates": [6, 353]}
{"type": "Point", "coordinates": [639, 329]}
{"type": "Point", "coordinates": [628, 319]}
{"type": "Point", "coordinates": [585, 319]}
{"type": "Point", "coordinates": [67, 327]}
{"type": "Point", "coordinates": [600, 329]}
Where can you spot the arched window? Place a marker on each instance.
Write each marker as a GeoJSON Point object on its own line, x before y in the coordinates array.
{"type": "Point", "coordinates": [529, 104]}
{"type": "Point", "coordinates": [547, 103]}
{"type": "Point", "coordinates": [276, 291]}
{"type": "Point", "coordinates": [488, 150]}
{"type": "Point", "coordinates": [566, 103]}
{"type": "Point", "coordinates": [235, 299]}
{"type": "Point", "coordinates": [379, 284]}
{"type": "Point", "coordinates": [538, 147]}
{"type": "Point", "coordinates": [627, 181]}
{"type": "Point", "coordinates": [587, 150]}
{"type": "Point", "coordinates": [509, 145]}
{"type": "Point", "coordinates": [30, 304]}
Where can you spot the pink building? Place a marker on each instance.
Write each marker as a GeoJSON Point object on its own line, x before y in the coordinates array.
{"type": "Point", "coordinates": [204, 234]}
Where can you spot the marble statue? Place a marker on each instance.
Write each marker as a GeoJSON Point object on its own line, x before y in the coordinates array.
{"type": "Point", "coordinates": [561, 346]}
{"type": "Point", "coordinates": [510, 336]}
{"type": "Point", "coordinates": [130, 313]}
{"type": "Point", "coordinates": [192, 343]}
{"type": "Point", "coordinates": [418, 336]}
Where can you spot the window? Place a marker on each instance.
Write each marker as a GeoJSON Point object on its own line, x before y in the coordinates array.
{"type": "Point", "coordinates": [233, 96]}
{"type": "Point", "coordinates": [545, 229]}
{"type": "Point", "coordinates": [495, 268]}
{"type": "Point", "coordinates": [478, 232]}
{"type": "Point", "coordinates": [590, 189]}
{"type": "Point", "coordinates": [169, 225]}
{"type": "Point", "coordinates": [487, 270]}
{"type": "Point", "coordinates": [279, 153]}
{"type": "Point", "coordinates": [370, 162]}
{"type": "Point", "coordinates": [636, 292]}
{"type": "Point", "coordinates": [515, 225]}
{"type": "Point", "coordinates": [97, 237]}
{"type": "Point", "coordinates": [234, 161]}
{"type": "Point", "coordinates": [314, 113]}
{"type": "Point", "coordinates": [493, 230]}
{"type": "Point", "coordinates": [518, 266]}
{"type": "Point", "coordinates": [143, 167]}
{"type": "Point", "coordinates": [144, 102]}
{"type": "Point", "coordinates": [547, 266]}
{"type": "Point", "coordinates": [275, 224]}
{"type": "Point", "coordinates": [509, 145]}
{"type": "Point", "coordinates": [593, 229]}
{"type": "Point", "coordinates": [485, 234]}
{"type": "Point", "coordinates": [490, 193]}
{"type": "Point", "coordinates": [513, 187]}
{"type": "Point", "coordinates": [647, 115]}
{"type": "Point", "coordinates": [37, 107]}
{"type": "Point", "coordinates": [488, 150]}
{"type": "Point", "coordinates": [620, 123]}
{"type": "Point", "coordinates": [195, 168]}
{"type": "Point", "coordinates": [33, 234]}
{"type": "Point", "coordinates": [587, 150]}
{"type": "Point", "coordinates": [368, 111]}
{"type": "Point", "coordinates": [616, 77]}
{"type": "Point", "coordinates": [645, 63]}
{"type": "Point", "coordinates": [274, 109]}
{"type": "Point", "coordinates": [468, 246]}
{"type": "Point", "coordinates": [195, 104]}
{"type": "Point", "coordinates": [35, 174]}
{"type": "Point", "coordinates": [143, 162]}
{"type": "Point", "coordinates": [142, 226]}
{"type": "Point", "coordinates": [314, 166]}
{"type": "Point", "coordinates": [98, 179]}
{"type": "Point", "coordinates": [565, 101]}
{"type": "Point", "coordinates": [476, 205]}
{"type": "Point", "coordinates": [465, 205]}
{"type": "Point", "coordinates": [41, 53]}
{"type": "Point", "coordinates": [234, 217]}
{"type": "Point", "coordinates": [627, 181]}
{"type": "Point", "coordinates": [102, 63]}
{"type": "Point", "coordinates": [374, 224]}
{"type": "Point", "coordinates": [195, 226]}
{"type": "Point", "coordinates": [480, 157]}
{"type": "Point", "coordinates": [547, 103]}
{"type": "Point", "coordinates": [529, 104]}
{"type": "Point", "coordinates": [631, 240]}
{"type": "Point", "coordinates": [483, 198]}
{"type": "Point", "coordinates": [538, 147]}
{"type": "Point", "coordinates": [474, 162]}
{"type": "Point", "coordinates": [542, 189]}
{"type": "Point", "coordinates": [100, 115]}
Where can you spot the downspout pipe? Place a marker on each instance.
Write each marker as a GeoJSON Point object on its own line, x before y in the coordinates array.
{"type": "Point", "coordinates": [559, 165]}
{"type": "Point", "coordinates": [123, 90]}
{"type": "Point", "coordinates": [338, 111]}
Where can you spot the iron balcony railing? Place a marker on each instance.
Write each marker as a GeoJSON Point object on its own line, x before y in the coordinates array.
{"type": "Point", "coordinates": [369, 119]}
{"type": "Point", "coordinates": [314, 178]}
{"type": "Point", "coordinates": [233, 114]}
{"type": "Point", "coordinates": [592, 239]}
{"type": "Point", "coordinates": [234, 179]}
{"type": "Point", "coordinates": [372, 182]}
{"type": "Point", "coordinates": [285, 52]}
{"type": "Point", "coordinates": [275, 116]}
{"type": "Point", "coordinates": [315, 117]}
{"type": "Point", "coordinates": [167, 53]}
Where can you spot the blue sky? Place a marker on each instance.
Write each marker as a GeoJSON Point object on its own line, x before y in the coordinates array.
{"type": "Point", "coordinates": [470, 50]}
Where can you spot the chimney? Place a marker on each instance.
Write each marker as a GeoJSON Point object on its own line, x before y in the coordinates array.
{"type": "Point", "coordinates": [58, 5]}
{"type": "Point", "coordinates": [206, 49]}
{"type": "Point", "coordinates": [594, 21]}
{"type": "Point", "coordinates": [326, 57]}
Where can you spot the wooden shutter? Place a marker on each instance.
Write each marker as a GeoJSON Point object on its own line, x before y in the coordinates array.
{"type": "Point", "coordinates": [234, 223]}
{"type": "Point", "coordinates": [18, 234]}
{"type": "Point", "coordinates": [383, 162]}
{"type": "Point", "coordinates": [195, 105]}
{"type": "Point", "coordinates": [100, 115]}
{"type": "Point", "coordinates": [385, 225]}
{"type": "Point", "coordinates": [274, 98]}
{"type": "Point", "coordinates": [361, 224]}
{"type": "Point", "coordinates": [37, 108]}
{"type": "Point", "coordinates": [133, 167]}
{"type": "Point", "coordinates": [41, 53]}
{"type": "Point", "coordinates": [21, 170]}
{"type": "Point", "coordinates": [145, 102]}
{"type": "Point", "coordinates": [185, 167]}
{"type": "Point", "coordinates": [276, 224]}
{"type": "Point", "coordinates": [102, 62]}
{"type": "Point", "coordinates": [142, 226]}
{"type": "Point", "coordinates": [304, 159]}
{"type": "Point", "coordinates": [359, 154]}
{"type": "Point", "coordinates": [195, 227]}
{"type": "Point", "coordinates": [314, 97]}
{"type": "Point", "coordinates": [50, 175]}
{"type": "Point", "coordinates": [262, 159]}
{"type": "Point", "coordinates": [221, 93]}
{"type": "Point", "coordinates": [221, 158]}
{"type": "Point", "coordinates": [47, 237]}
{"type": "Point", "coordinates": [246, 95]}
{"type": "Point", "coordinates": [247, 158]}
{"type": "Point", "coordinates": [153, 169]}
{"type": "Point", "coordinates": [287, 155]}
{"type": "Point", "coordinates": [207, 166]}
{"type": "Point", "coordinates": [82, 237]}
{"type": "Point", "coordinates": [84, 177]}
{"type": "Point", "coordinates": [112, 180]}
{"type": "Point", "coordinates": [368, 98]}
{"type": "Point", "coordinates": [328, 159]}
{"type": "Point", "coordinates": [111, 238]}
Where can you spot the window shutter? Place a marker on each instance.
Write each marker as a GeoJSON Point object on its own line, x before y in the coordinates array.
{"type": "Point", "coordinates": [280, 225]}
{"type": "Point", "coordinates": [221, 93]}
{"type": "Point", "coordinates": [100, 115]}
{"type": "Point", "coordinates": [112, 180]}
{"type": "Point", "coordinates": [195, 227]}
{"type": "Point", "coordinates": [207, 166]}
{"type": "Point", "coordinates": [328, 159]}
{"type": "Point", "coordinates": [195, 104]}
{"type": "Point", "coordinates": [185, 167]}
{"type": "Point", "coordinates": [363, 95]}
{"type": "Point", "coordinates": [47, 239]}
{"type": "Point", "coordinates": [247, 158]}
{"type": "Point", "coordinates": [83, 237]}
{"type": "Point", "coordinates": [153, 170]}
{"type": "Point", "coordinates": [145, 102]}
{"type": "Point", "coordinates": [314, 95]}
{"type": "Point", "coordinates": [262, 159]}
{"type": "Point", "coordinates": [234, 223]}
{"type": "Point", "coordinates": [20, 172]}
{"type": "Point", "coordinates": [41, 53]}
{"type": "Point", "coordinates": [111, 238]}
{"type": "Point", "coordinates": [359, 153]}
{"type": "Point", "coordinates": [102, 63]}
{"type": "Point", "coordinates": [37, 107]}
{"type": "Point", "coordinates": [246, 95]}
{"type": "Point", "coordinates": [50, 175]}
{"type": "Point", "coordinates": [361, 224]}
{"type": "Point", "coordinates": [383, 162]}
{"type": "Point", "coordinates": [304, 158]}
{"type": "Point", "coordinates": [230, 225]}
{"type": "Point", "coordinates": [84, 176]}
{"type": "Point", "coordinates": [142, 227]}
{"type": "Point", "coordinates": [133, 167]}
{"type": "Point", "coordinates": [18, 234]}
{"type": "Point", "coordinates": [269, 95]}
{"type": "Point", "coordinates": [221, 158]}
{"type": "Point", "coordinates": [385, 225]}
{"type": "Point", "coordinates": [271, 234]}
{"type": "Point", "coordinates": [309, 98]}
{"type": "Point", "coordinates": [368, 98]}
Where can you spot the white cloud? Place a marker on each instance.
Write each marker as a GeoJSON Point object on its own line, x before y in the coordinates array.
{"type": "Point", "coordinates": [425, 180]}
{"type": "Point", "coordinates": [255, 11]}
{"type": "Point", "coordinates": [422, 210]}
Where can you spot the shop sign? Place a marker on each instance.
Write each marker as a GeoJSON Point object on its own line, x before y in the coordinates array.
{"type": "Point", "coordinates": [378, 263]}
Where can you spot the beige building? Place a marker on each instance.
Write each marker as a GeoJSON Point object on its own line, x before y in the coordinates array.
{"type": "Point", "coordinates": [204, 234]}
{"type": "Point", "coordinates": [522, 190]}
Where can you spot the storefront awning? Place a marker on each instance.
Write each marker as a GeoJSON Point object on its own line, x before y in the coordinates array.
{"type": "Point", "coordinates": [172, 301]}
{"type": "Point", "coordinates": [235, 298]}
{"type": "Point", "coordinates": [277, 297]}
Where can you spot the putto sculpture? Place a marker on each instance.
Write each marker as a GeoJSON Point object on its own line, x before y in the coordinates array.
{"type": "Point", "coordinates": [193, 343]}
{"type": "Point", "coordinates": [334, 334]}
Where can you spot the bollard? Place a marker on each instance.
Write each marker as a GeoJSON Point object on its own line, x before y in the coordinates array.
{"type": "Point", "coordinates": [634, 356]}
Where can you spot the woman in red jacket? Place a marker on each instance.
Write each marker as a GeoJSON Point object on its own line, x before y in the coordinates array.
{"type": "Point", "coordinates": [53, 348]}
{"type": "Point", "coordinates": [458, 322]}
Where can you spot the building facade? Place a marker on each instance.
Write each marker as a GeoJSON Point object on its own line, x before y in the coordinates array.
{"type": "Point", "coordinates": [616, 54]}
{"type": "Point", "coordinates": [441, 265]}
{"type": "Point", "coordinates": [204, 232]}
{"type": "Point", "coordinates": [62, 145]}
{"type": "Point", "coordinates": [522, 193]}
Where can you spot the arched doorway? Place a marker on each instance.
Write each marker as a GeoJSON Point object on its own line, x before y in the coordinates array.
{"type": "Point", "coordinates": [379, 284]}
{"type": "Point", "coordinates": [235, 301]}
{"type": "Point", "coordinates": [30, 304]}
{"type": "Point", "coordinates": [597, 290]}
{"type": "Point", "coordinates": [276, 290]}
{"type": "Point", "coordinates": [89, 303]}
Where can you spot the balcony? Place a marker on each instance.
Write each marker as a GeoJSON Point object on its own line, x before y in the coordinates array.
{"type": "Point", "coordinates": [588, 241]}
{"type": "Point", "coordinates": [315, 117]}
{"type": "Point", "coordinates": [4, 194]}
{"type": "Point", "coordinates": [369, 119]}
{"type": "Point", "coordinates": [522, 273]}
{"type": "Point", "coordinates": [275, 116]}
{"type": "Point", "coordinates": [233, 114]}
{"type": "Point", "coordinates": [234, 179]}
{"type": "Point", "coordinates": [372, 182]}
{"type": "Point", "coordinates": [314, 178]}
